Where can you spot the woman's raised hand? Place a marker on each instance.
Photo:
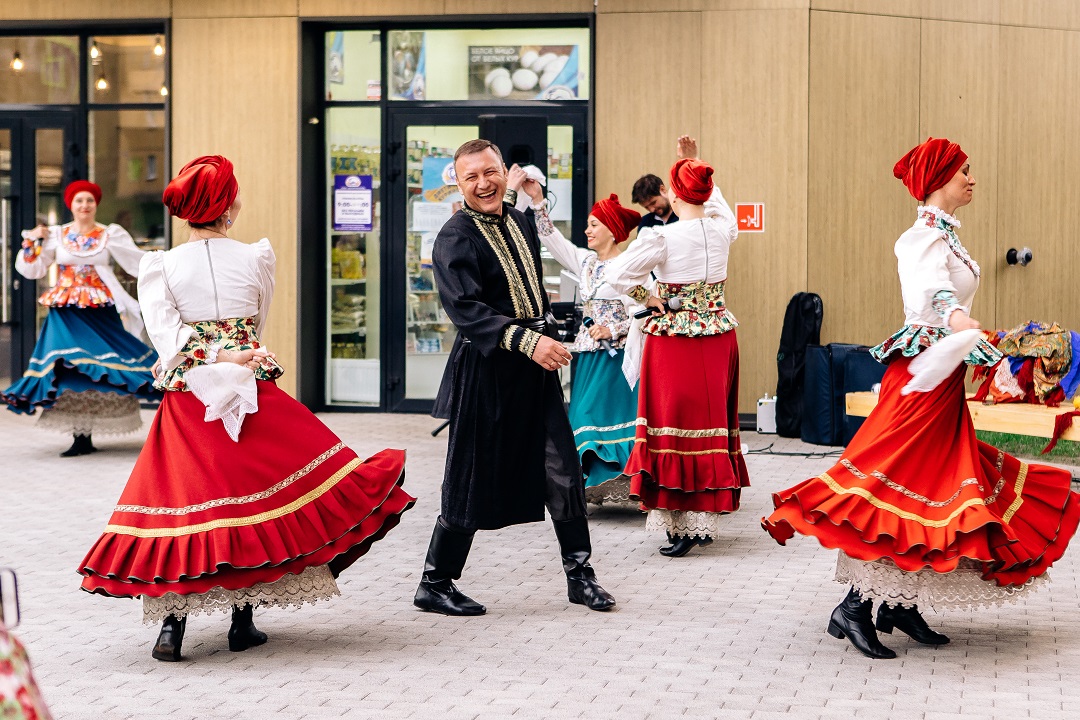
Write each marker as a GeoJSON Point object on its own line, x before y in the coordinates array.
{"type": "Point", "coordinates": [533, 190]}
{"type": "Point", "coordinates": [515, 177]}
{"type": "Point", "coordinates": [686, 147]}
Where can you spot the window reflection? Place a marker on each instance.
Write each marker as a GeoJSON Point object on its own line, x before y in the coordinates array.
{"type": "Point", "coordinates": [45, 71]}
{"type": "Point", "coordinates": [126, 69]}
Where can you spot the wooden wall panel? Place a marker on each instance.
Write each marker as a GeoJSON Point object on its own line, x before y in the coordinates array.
{"type": "Point", "coordinates": [1058, 14]}
{"type": "Point", "coordinates": [1038, 197]}
{"type": "Point", "coordinates": [863, 115]}
{"type": "Point", "coordinates": [648, 92]}
{"type": "Point", "coordinates": [233, 8]}
{"type": "Point", "coordinates": [69, 9]}
{"type": "Point", "coordinates": [959, 100]}
{"type": "Point", "coordinates": [370, 8]}
{"type": "Point", "coordinates": [980, 11]}
{"type": "Point", "coordinates": [625, 6]}
{"type": "Point", "coordinates": [754, 131]}
{"type": "Point", "coordinates": [246, 111]}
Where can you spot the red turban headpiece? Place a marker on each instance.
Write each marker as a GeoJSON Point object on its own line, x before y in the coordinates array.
{"type": "Point", "coordinates": [929, 166]}
{"type": "Point", "coordinates": [81, 186]}
{"type": "Point", "coordinates": [202, 191]}
{"type": "Point", "coordinates": [691, 180]}
{"type": "Point", "coordinates": [616, 218]}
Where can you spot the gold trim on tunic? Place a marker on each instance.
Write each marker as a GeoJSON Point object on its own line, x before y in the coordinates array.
{"type": "Point", "coordinates": [239, 521]}
{"type": "Point", "coordinates": [522, 303]}
{"type": "Point", "coordinates": [254, 497]}
{"type": "Point", "coordinates": [671, 451]}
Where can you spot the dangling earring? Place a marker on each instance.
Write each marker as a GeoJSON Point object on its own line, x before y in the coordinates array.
{"type": "Point", "coordinates": [228, 221]}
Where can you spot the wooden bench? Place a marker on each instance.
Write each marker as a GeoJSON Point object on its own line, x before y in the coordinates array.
{"type": "Point", "coordinates": [1014, 418]}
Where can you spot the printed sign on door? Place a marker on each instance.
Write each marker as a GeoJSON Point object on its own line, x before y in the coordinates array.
{"type": "Point", "coordinates": [750, 217]}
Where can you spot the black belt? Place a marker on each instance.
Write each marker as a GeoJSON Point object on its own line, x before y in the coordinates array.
{"type": "Point", "coordinates": [544, 325]}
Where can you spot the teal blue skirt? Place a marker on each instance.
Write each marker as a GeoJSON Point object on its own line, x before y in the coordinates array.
{"type": "Point", "coordinates": [603, 413]}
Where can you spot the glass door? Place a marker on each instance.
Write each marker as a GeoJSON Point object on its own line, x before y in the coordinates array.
{"type": "Point", "coordinates": [37, 159]}
{"type": "Point", "coordinates": [424, 195]}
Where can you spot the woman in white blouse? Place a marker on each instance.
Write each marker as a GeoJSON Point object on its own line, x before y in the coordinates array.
{"type": "Point", "coordinates": [687, 467]}
{"type": "Point", "coordinates": [922, 512]}
{"type": "Point", "coordinates": [240, 497]}
{"type": "Point", "coordinates": [603, 400]}
{"type": "Point", "coordinates": [87, 371]}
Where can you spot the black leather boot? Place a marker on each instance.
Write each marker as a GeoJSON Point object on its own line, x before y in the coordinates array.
{"type": "Point", "coordinates": [576, 548]}
{"type": "Point", "coordinates": [852, 619]}
{"type": "Point", "coordinates": [910, 621]}
{"type": "Point", "coordinates": [81, 446]}
{"type": "Point", "coordinates": [682, 544]}
{"type": "Point", "coordinates": [242, 633]}
{"type": "Point", "coordinates": [446, 556]}
{"type": "Point", "coordinates": [167, 647]}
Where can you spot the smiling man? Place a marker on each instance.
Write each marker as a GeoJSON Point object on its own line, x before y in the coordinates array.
{"type": "Point", "coordinates": [511, 450]}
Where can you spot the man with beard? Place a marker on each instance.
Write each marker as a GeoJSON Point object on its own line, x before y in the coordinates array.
{"type": "Point", "coordinates": [650, 193]}
{"type": "Point", "coordinates": [511, 450]}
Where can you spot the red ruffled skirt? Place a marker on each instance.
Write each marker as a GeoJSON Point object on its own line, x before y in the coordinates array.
{"type": "Point", "coordinates": [687, 454]}
{"type": "Point", "coordinates": [201, 511]}
{"type": "Point", "coordinates": [917, 487]}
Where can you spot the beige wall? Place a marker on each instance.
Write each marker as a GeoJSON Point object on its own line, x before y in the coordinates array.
{"type": "Point", "coordinates": [801, 104]}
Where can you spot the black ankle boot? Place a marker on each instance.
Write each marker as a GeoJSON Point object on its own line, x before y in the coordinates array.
{"type": "Point", "coordinates": [682, 544]}
{"type": "Point", "coordinates": [242, 633]}
{"type": "Point", "coordinates": [576, 548]}
{"type": "Point", "coordinates": [852, 619]}
{"type": "Point", "coordinates": [81, 446]}
{"type": "Point", "coordinates": [446, 556]}
{"type": "Point", "coordinates": [167, 647]}
{"type": "Point", "coordinates": [910, 621]}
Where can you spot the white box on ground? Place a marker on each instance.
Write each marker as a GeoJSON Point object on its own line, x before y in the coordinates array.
{"type": "Point", "coordinates": [766, 414]}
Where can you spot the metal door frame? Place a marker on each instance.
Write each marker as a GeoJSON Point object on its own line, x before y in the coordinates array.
{"type": "Point", "coordinates": [23, 197]}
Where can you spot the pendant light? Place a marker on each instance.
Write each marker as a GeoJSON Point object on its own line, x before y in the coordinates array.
{"type": "Point", "coordinates": [102, 84]}
{"type": "Point", "coordinates": [159, 47]}
{"type": "Point", "coordinates": [16, 62]}
{"type": "Point", "coordinates": [95, 53]}
{"type": "Point", "coordinates": [164, 91]}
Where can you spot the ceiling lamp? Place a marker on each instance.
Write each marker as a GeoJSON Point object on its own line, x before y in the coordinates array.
{"type": "Point", "coordinates": [95, 53]}
{"type": "Point", "coordinates": [164, 91]}
{"type": "Point", "coordinates": [159, 48]}
{"type": "Point", "coordinates": [102, 83]}
{"type": "Point", "coordinates": [17, 63]}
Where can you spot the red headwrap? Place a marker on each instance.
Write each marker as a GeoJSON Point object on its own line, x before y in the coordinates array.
{"type": "Point", "coordinates": [81, 186]}
{"type": "Point", "coordinates": [202, 191]}
{"type": "Point", "coordinates": [929, 167]}
{"type": "Point", "coordinates": [616, 218]}
{"type": "Point", "coordinates": [691, 180]}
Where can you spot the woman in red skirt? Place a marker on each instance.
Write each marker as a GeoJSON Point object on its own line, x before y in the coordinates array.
{"type": "Point", "coordinates": [686, 467]}
{"type": "Point", "coordinates": [923, 513]}
{"type": "Point", "coordinates": [240, 497]}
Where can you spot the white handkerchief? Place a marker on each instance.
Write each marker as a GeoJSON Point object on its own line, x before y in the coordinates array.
{"type": "Point", "coordinates": [930, 368]}
{"type": "Point", "coordinates": [227, 390]}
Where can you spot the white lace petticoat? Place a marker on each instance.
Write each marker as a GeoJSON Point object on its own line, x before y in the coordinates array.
{"type": "Point", "coordinates": [964, 587]}
{"type": "Point", "coordinates": [92, 412]}
{"type": "Point", "coordinates": [615, 490]}
{"type": "Point", "coordinates": [692, 523]}
{"type": "Point", "coordinates": [314, 583]}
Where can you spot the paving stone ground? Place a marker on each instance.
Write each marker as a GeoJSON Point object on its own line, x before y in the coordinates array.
{"type": "Point", "coordinates": [735, 630]}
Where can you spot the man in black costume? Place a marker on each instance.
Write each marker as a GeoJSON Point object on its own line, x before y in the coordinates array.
{"type": "Point", "coordinates": [511, 449]}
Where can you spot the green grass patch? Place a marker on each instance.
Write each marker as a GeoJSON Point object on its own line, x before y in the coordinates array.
{"type": "Point", "coordinates": [1025, 446]}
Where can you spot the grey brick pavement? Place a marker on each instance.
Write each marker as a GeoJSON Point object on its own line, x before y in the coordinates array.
{"type": "Point", "coordinates": [735, 630]}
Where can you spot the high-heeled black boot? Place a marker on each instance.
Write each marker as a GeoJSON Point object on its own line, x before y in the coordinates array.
{"type": "Point", "coordinates": [446, 556]}
{"type": "Point", "coordinates": [167, 647]}
{"type": "Point", "coordinates": [682, 544]}
{"type": "Point", "coordinates": [910, 621]}
{"type": "Point", "coordinates": [242, 633]}
{"type": "Point", "coordinates": [852, 619]}
{"type": "Point", "coordinates": [82, 445]}
{"type": "Point", "coordinates": [576, 548]}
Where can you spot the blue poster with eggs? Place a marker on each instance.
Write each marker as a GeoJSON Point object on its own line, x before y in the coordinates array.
{"type": "Point", "coordinates": [523, 72]}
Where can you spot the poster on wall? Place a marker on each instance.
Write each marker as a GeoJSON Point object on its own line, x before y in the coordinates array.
{"type": "Point", "coordinates": [408, 59]}
{"type": "Point", "coordinates": [335, 61]}
{"type": "Point", "coordinates": [523, 72]}
{"type": "Point", "coordinates": [438, 181]}
{"type": "Point", "coordinates": [352, 203]}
